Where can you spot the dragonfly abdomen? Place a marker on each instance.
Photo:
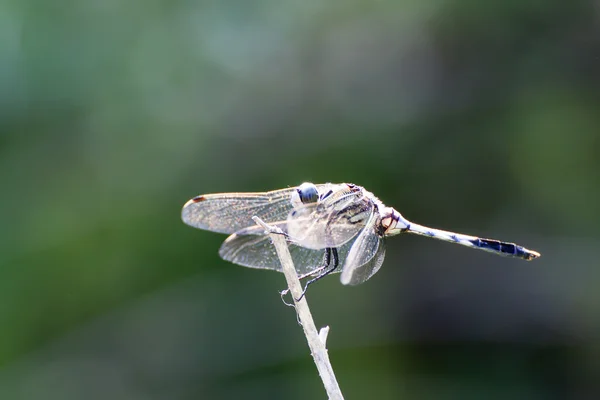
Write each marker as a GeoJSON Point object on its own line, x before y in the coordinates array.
{"type": "Point", "coordinates": [490, 245]}
{"type": "Point", "coordinates": [505, 248]}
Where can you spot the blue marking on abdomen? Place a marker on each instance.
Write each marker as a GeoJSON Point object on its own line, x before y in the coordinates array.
{"type": "Point", "coordinates": [500, 247]}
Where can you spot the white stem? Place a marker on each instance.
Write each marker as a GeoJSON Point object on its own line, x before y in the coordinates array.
{"type": "Point", "coordinates": [315, 343]}
{"type": "Point", "coordinates": [323, 334]}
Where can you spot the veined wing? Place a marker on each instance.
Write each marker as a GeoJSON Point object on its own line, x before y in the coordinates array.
{"type": "Point", "coordinates": [337, 218]}
{"type": "Point", "coordinates": [257, 251]}
{"type": "Point", "coordinates": [366, 255]}
{"type": "Point", "coordinates": [232, 212]}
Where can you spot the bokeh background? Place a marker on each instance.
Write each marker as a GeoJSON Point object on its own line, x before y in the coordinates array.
{"type": "Point", "coordinates": [480, 117]}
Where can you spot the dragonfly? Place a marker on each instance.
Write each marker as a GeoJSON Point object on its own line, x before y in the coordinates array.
{"type": "Point", "coordinates": [326, 225]}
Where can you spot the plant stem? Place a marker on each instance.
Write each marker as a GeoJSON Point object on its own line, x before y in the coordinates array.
{"type": "Point", "coordinates": [316, 341]}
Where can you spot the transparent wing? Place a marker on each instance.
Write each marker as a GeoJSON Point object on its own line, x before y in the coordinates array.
{"type": "Point", "coordinates": [365, 256]}
{"type": "Point", "coordinates": [333, 221]}
{"type": "Point", "coordinates": [257, 251]}
{"type": "Point", "coordinates": [364, 272]}
{"type": "Point", "coordinates": [231, 212]}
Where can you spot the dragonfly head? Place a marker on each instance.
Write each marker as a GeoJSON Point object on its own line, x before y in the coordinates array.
{"type": "Point", "coordinates": [306, 193]}
{"type": "Point", "coordinates": [392, 222]}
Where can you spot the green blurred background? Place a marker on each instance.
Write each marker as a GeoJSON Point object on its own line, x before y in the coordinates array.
{"type": "Point", "coordinates": [480, 117]}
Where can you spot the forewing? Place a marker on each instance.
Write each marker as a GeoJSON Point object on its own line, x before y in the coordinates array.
{"type": "Point", "coordinates": [365, 256]}
{"type": "Point", "coordinates": [257, 251]}
{"type": "Point", "coordinates": [231, 212]}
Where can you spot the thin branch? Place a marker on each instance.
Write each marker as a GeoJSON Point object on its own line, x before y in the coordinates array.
{"type": "Point", "coordinates": [316, 342]}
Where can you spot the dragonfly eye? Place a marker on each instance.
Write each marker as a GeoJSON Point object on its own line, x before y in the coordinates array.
{"type": "Point", "coordinates": [307, 193]}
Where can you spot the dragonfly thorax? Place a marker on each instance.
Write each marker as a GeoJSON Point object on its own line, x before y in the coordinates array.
{"type": "Point", "coordinates": [392, 222]}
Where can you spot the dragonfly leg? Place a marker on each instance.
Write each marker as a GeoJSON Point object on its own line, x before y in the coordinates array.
{"type": "Point", "coordinates": [330, 252]}
{"type": "Point", "coordinates": [316, 272]}
{"type": "Point", "coordinates": [324, 265]}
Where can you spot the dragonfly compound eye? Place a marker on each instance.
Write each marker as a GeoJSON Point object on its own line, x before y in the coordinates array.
{"type": "Point", "coordinates": [308, 193]}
